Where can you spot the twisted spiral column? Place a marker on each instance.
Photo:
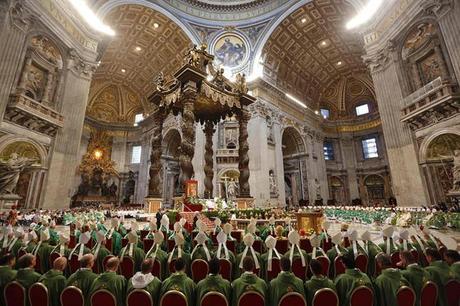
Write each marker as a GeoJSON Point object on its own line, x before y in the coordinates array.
{"type": "Point", "coordinates": [188, 141]}
{"type": "Point", "coordinates": [208, 160]}
{"type": "Point", "coordinates": [243, 165]}
{"type": "Point", "coordinates": [156, 169]}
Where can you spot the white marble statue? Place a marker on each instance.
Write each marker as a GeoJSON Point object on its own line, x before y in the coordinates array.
{"type": "Point", "coordinates": [10, 171]}
{"type": "Point", "coordinates": [273, 185]}
{"type": "Point", "coordinates": [231, 190]}
{"type": "Point", "coordinates": [456, 171]}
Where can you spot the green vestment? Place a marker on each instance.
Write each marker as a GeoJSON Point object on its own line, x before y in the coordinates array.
{"type": "Point", "coordinates": [332, 254]}
{"type": "Point", "coordinates": [54, 237]}
{"type": "Point", "coordinates": [43, 253]}
{"type": "Point", "coordinates": [440, 273]}
{"type": "Point", "coordinates": [236, 267]}
{"type": "Point", "coordinates": [264, 264]}
{"type": "Point", "coordinates": [201, 254]}
{"type": "Point", "coordinates": [455, 270]}
{"type": "Point", "coordinates": [26, 277]}
{"type": "Point", "coordinates": [101, 255]}
{"type": "Point", "coordinates": [114, 283]}
{"type": "Point", "coordinates": [162, 258]}
{"type": "Point", "coordinates": [138, 255]}
{"type": "Point", "coordinates": [383, 246]}
{"type": "Point", "coordinates": [6, 275]}
{"type": "Point", "coordinates": [417, 277]}
{"type": "Point", "coordinates": [345, 283]}
{"type": "Point", "coordinates": [181, 282]}
{"type": "Point", "coordinates": [387, 285]}
{"type": "Point", "coordinates": [55, 281]}
{"type": "Point", "coordinates": [116, 243]}
{"type": "Point", "coordinates": [153, 288]}
{"type": "Point", "coordinates": [248, 282]}
{"type": "Point", "coordinates": [284, 283]}
{"type": "Point", "coordinates": [314, 284]}
{"type": "Point", "coordinates": [82, 278]}
{"type": "Point", "coordinates": [371, 250]}
{"type": "Point", "coordinates": [213, 283]}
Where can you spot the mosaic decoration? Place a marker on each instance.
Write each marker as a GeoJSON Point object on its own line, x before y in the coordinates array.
{"type": "Point", "coordinates": [230, 51]}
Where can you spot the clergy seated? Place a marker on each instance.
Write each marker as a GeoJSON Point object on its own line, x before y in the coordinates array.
{"type": "Point", "coordinates": [352, 278]}
{"type": "Point", "coordinates": [133, 250]}
{"type": "Point", "coordinates": [413, 273]}
{"type": "Point", "coordinates": [439, 273]}
{"type": "Point", "coordinates": [248, 281]}
{"type": "Point", "coordinates": [144, 279]}
{"type": "Point", "coordinates": [158, 255]}
{"type": "Point", "coordinates": [452, 257]}
{"type": "Point", "coordinates": [201, 251]}
{"type": "Point", "coordinates": [55, 281]}
{"type": "Point", "coordinates": [83, 278]}
{"type": "Point", "coordinates": [336, 250]}
{"type": "Point", "coordinates": [111, 281]}
{"type": "Point", "coordinates": [180, 281]}
{"type": "Point", "coordinates": [317, 281]}
{"type": "Point", "coordinates": [371, 249]}
{"type": "Point", "coordinates": [17, 242]}
{"type": "Point", "coordinates": [213, 283]}
{"type": "Point", "coordinates": [26, 275]}
{"type": "Point", "coordinates": [388, 282]}
{"type": "Point", "coordinates": [7, 273]}
{"type": "Point", "coordinates": [100, 251]}
{"type": "Point", "coordinates": [248, 241]}
{"type": "Point", "coordinates": [43, 250]}
{"type": "Point", "coordinates": [284, 283]}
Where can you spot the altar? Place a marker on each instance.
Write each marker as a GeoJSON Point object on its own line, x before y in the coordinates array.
{"type": "Point", "coordinates": [310, 221]}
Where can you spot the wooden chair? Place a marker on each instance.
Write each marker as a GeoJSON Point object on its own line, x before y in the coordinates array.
{"type": "Point", "coordinates": [15, 294]}
{"type": "Point", "coordinates": [252, 298]}
{"type": "Point", "coordinates": [139, 297]}
{"type": "Point", "coordinates": [226, 269]}
{"type": "Point", "coordinates": [103, 297]}
{"type": "Point", "coordinates": [429, 294]}
{"type": "Point", "coordinates": [405, 296]}
{"type": "Point", "coordinates": [276, 269]}
{"type": "Point", "coordinates": [361, 262]}
{"type": "Point", "coordinates": [127, 267]}
{"type": "Point", "coordinates": [339, 267]}
{"type": "Point", "coordinates": [213, 299]}
{"type": "Point", "coordinates": [325, 296]}
{"type": "Point", "coordinates": [173, 298]}
{"type": "Point", "coordinates": [199, 269]}
{"type": "Point", "coordinates": [72, 296]}
{"type": "Point", "coordinates": [452, 289]}
{"type": "Point", "coordinates": [292, 299]}
{"type": "Point", "coordinates": [38, 295]}
{"type": "Point", "coordinates": [362, 296]}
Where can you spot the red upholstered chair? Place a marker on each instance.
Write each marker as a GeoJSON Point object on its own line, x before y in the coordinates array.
{"type": "Point", "coordinates": [305, 245]}
{"type": "Point", "coordinates": [395, 259]}
{"type": "Point", "coordinates": [144, 233]}
{"type": "Point", "coordinates": [429, 294]}
{"type": "Point", "coordinates": [171, 245]}
{"type": "Point", "coordinates": [156, 271]}
{"type": "Point", "coordinates": [199, 269]}
{"type": "Point", "coordinates": [362, 296]}
{"type": "Point", "coordinates": [324, 297]}
{"type": "Point", "coordinates": [231, 245]}
{"type": "Point", "coordinates": [346, 242]}
{"type": "Point", "coordinates": [339, 267]}
{"type": "Point", "coordinates": [139, 297]}
{"type": "Point", "coordinates": [38, 295]}
{"type": "Point", "coordinates": [108, 244]}
{"type": "Point", "coordinates": [127, 267]}
{"type": "Point", "coordinates": [252, 298]}
{"type": "Point", "coordinates": [297, 269]}
{"type": "Point", "coordinates": [257, 245]}
{"type": "Point", "coordinates": [226, 269]}
{"type": "Point", "coordinates": [276, 269]}
{"type": "Point", "coordinates": [415, 254]}
{"type": "Point", "coordinates": [213, 299]}
{"type": "Point", "coordinates": [147, 244]}
{"type": "Point", "coordinates": [90, 244]}
{"type": "Point", "coordinates": [53, 256]}
{"type": "Point", "coordinates": [72, 296]}
{"type": "Point", "coordinates": [15, 294]}
{"type": "Point", "coordinates": [292, 299]}
{"type": "Point", "coordinates": [171, 267]}
{"type": "Point", "coordinates": [72, 241]}
{"type": "Point", "coordinates": [452, 289]}
{"type": "Point", "coordinates": [361, 262]}
{"type": "Point", "coordinates": [124, 242]}
{"type": "Point", "coordinates": [173, 298]}
{"type": "Point", "coordinates": [74, 264]}
{"type": "Point", "coordinates": [442, 250]}
{"type": "Point", "coordinates": [327, 244]}
{"type": "Point", "coordinates": [324, 263]}
{"type": "Point", "coordinates": [282, 246]}
{"type": "Point", "coordinates": [21, 253]}
{"type": "Point", "coordinates": [405, 296]}
{"type": "Point", "coordinates": [238, 235]}
{"type": "Point", "coordinates": [103, 297]}
{"type": "Point", "coordinates": [38, 264]}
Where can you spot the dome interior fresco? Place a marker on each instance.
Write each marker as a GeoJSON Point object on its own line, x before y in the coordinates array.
{"type": "Point", "coordinates": [311, 48]}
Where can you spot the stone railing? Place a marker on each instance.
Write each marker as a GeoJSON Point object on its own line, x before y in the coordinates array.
{"type": "Point", "coordinates": [420, 93]}
{"type": "Point", "coordinates": [227, 152]}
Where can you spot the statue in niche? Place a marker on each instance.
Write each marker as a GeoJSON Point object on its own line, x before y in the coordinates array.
{"type": "Point", "coordinates": [456, 171]}
{"type": "Point", "coordinates": [10, 170]}
{"type": "Point", "coordinates": [273, 185]}
{"type": "Point", "coordinates": [270, 137]}
{"type": "Point", "coordinates": [129, 187]}
{"type": "Point", "coordinates": [232, 190]}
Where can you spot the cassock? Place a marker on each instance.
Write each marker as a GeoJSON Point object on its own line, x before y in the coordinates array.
{"type": "Point", "coordinates": [455, 270]}
{"type": "Point", "coordinates": [439, 273]}
{"type": "Point", "coordinates": [148, 282]}
{"type": "Point", "coordinates": [181, 282]}
{"type": "Point", "coordinates": [417, 277]}
{"type": "Point", "coordinates": [248, 282]}
{"type": "Point", "coordinates": [213, 283]}
{"type": "Point", "coordinates": [82, 278]}
{"type": "Point", "coordinates": [55, 281]}
{"type": "Point", "coordinates": [284, 283]}
{"type": "Point", "coordinates": [114, 283]}
{"type": "Point", "coordinates": [6, 275]}
{"type": "Point", "coordinates": [387, 285]}
{"type": "Point", "coordinates": [314, 284]}
{"type": "Point", "coordinates": [345, 283]}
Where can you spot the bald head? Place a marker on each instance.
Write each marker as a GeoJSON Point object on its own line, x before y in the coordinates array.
{"type": "Point", "coordinates": [87, 261]}
{"type": "Point", "coordinates": [112, 264]}
{"type": "Point", "coordinates": [60, 263]}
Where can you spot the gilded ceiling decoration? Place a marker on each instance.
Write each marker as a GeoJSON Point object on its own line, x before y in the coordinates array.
{"type": "Point", "coordinates": [311, 48]}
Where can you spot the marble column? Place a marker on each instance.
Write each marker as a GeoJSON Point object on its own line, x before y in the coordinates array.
{"type": "Point", "coordinates": [208, 158]}
{"type": "Point", "coordinates": [65, 150]}
{"type": "Point", "coordinates": [156, 168]}
{"type": "Point", "coordinates": [243, 165]}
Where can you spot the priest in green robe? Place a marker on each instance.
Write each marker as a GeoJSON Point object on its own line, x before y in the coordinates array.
{"type": "Point", "coordinates": [214, 282]}
{"type": "Point", "coordinates": [222, 251]}
{"type": "Point", "coordinates": [452, 257]}
{"type": "Point", "coordinates": [404, 243]}
{"type": "Point", "coordinates": [111, 281]}
{"type": "Point", "coordinates": [99, 251]}
{"type": "Point", "coordinates": [133, 251]}
{"type": "Point", "coordinates": [284, 283]}
{"type": "Point", "coordinates": [178, 251]}
{"type": "Point", "coordinates": [26, 275]}
{"type": "Point", "coordinates": [439, 272]}
{"type": "Point", "coordinates": [248, 241]}
{"type": "Point", "coordinates": [62, 248]}
{"type": "Point", "coordinates": [266, 259]}
{"type": "Point", "coordinates": [248, 281]}
{"type": "Point", "coordinates": [7, 273]}
{"type": "Point", "coordinates": [317, 281]}
{"type": "Point", "coordinates": [388, 282]}
{"type": "Point", "coordinates": [17, 242]}
{"type": "Point", "coordinates": [43, 250]}
{"type": "Point", "coordinates": [145, 280]}
{"type": "Point", "coordinates": [55, 281]}
{"type": "Point", "coordinates": [352, 278]}
{"type": "Point", "coordinates": [83, 278]}
{"type": "Point", "coordinates": [54, 235]}
{"type": "Point", "coordinates": [295, 251]}
{"type": "Point", "coordinates": [80, 248]}
{"type": "Point", "coordinates": [371, 250]}
{"type": "Point", "coordinates": [115, 236]}
{"type": "Point", "coordinates": [32, 240]}
{"type": "Point", "coordinates": [336, 250]}
{"type": "Point", "coordinates": [388, 246]}
{"type": "Point", "coordinates": [413, 273]}
{"type": "Point", "coordinates": [201, 250]}
{"type": "Point", "coordinates": [180, 281]}
{"type": "Point", "coordinates": [157, 254]}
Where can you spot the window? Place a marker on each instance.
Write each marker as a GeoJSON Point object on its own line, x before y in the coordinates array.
{"type": "Point", "coordinates": [370, 148]}
{"type": "Point", "coordinates": [325, 113]}
{"type": "Point", "coordinates": [362, 110]}
{"type": "Point", "coordinates": [138, 118]}
{"type": "Point", "coordinates": [328, 150]}
{"type": "Point", "coordinates": [136, 155]}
